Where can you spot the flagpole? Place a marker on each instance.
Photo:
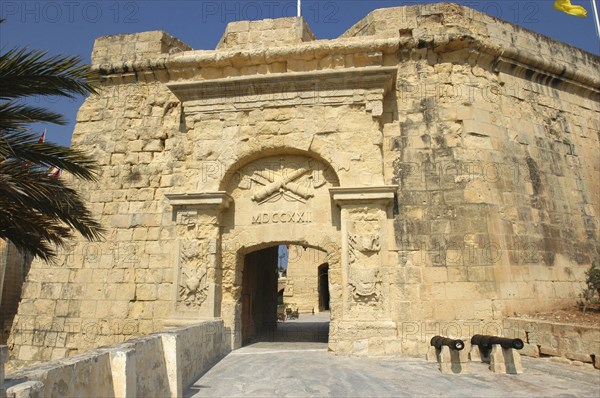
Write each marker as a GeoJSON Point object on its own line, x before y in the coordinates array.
{"type": "Point", "coordinates": [299, 8]}
{"type": "Point", "coordinates": [595, 18]}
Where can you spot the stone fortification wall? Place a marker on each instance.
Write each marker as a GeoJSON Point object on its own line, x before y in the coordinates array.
{"type": "Point", "coordinates": [497, 163]}
{"type": "Point", "coordinates": [488, 132]}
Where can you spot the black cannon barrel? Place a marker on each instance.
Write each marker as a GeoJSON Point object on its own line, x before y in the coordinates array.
{"type": "Point", "coordinates": [439, 341]}
{"type": "Point", "coordinates": [488, 341]}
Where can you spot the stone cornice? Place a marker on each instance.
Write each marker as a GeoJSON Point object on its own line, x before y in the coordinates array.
{"type": "Point", "coordinates": [337, 79]}
{"type": "Point", "coordinates": [499, 55]}
{"type": "Point", "coordinates": [512, 60]}
{"type": "Point", "coordinates": [218, 199]}
{"type": "Point", "coordinates": [223, 58]}
{"type": "Point", "coordinates": [356, 195]}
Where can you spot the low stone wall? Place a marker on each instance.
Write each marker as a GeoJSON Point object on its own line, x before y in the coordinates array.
{"type": "Point", "coordinates": [158, 365]}
{"type": "Point", "coordinates": [545, 338]}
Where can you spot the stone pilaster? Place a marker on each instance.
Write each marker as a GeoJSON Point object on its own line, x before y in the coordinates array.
{"type": "Point", "coordinates": [197, 261]}
{"type": "Point", "coordinates": [366, 230]}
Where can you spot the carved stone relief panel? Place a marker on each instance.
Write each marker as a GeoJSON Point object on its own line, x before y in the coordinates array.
{"type": "Point", "coordinates": [196, 263]}
{"type": "Point", "coordinates": [281, 191]}
{"type": "Point", "coordinates": [292, 178]}
{"type": "Point", "coordinates": [192, 277]}
{"type": "Point", "coordinates": [366, 285]}
{"type": "Point", "coordinates": [187, 218]}
{"type": "Point", "coordinates": [364, 236]}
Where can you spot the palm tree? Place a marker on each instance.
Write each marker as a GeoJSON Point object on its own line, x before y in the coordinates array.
{"type": "Point", "coordinates": [39, 211]}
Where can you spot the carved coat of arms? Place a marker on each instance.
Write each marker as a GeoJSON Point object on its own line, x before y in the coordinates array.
{"type": "Point", "coordinates": [363, 244]}
{"type": "Point", "coordinates": [365, 285]}
{"type": "Point", "coordinates": [193, 284]}
{"type": "Point", "coordinates": [193, 287]}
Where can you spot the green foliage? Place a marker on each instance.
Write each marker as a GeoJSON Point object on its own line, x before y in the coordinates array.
{"type": "Point", "coordinates": [593, 279]}
{"type": "Point", "coordinates": [37, 210]}
{"type": "Point", "coordinates": [592, 283]}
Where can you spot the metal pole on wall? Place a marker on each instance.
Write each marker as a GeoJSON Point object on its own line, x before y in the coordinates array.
{"type": "Point", "coordinates": [299, 8]}
{"type": "Point", "coordinates": [597, 22]}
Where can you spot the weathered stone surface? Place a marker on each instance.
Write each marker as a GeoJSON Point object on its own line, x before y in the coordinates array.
{"type": "Point", "coordinates": [573, 342]}
{"type": "Point", "coordinates": [157, 365]}
{"type": "Point", "coordinates": [28, 389]}
{"type": "Point", "coordinates": [13, 266]}
{"type": "Point", "coordinates": [314, 368]}
{"type": "Point", "coordinates": [452, 361]}
{"type": "Point", "coordinates": [531, 350]}
{"type": "Point", "coordinates": [505, 360]}
{"type": "Point", "coordinates": [135, 47]}
{"type": "Point", "coordinates": [304, 278]}
{"type": "Point", "coordinates": [3, 360]}
{"type": "Point", "coordinates": [265, 33]}
{"type": "Point", "coordinates": [450, 179]}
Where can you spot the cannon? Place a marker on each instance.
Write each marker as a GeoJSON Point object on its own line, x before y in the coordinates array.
{"type": "Point", "coordinates": [487, 342]}
{"type": "Point", "coordinates": [439, 341]}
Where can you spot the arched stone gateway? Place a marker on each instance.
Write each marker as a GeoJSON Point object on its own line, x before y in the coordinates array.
{"type": "Point", "coordinates": [288, 198]}
{"type": "Point", "coordinates": [277, 199]}
{"type": "Point", "coordinates": [255, 312]}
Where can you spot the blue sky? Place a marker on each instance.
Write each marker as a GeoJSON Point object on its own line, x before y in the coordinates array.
{"type": "Point", "coordinates": [282, 256]}
{"type": "Point", "coordinates": [70, 27]}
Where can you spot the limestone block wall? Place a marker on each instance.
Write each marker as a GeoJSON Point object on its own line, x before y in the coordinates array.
{"type": "Point", "coordinates": [498, 169]}
{"type": "Point", "coordinates": [265, 33]}
{"type": "Point", "coordinates": [14, 267]}
{"type": "Point", "coordinates": [495, 215]}
{"type": "Point", "coordinates": [135, 47]}
{"type": "Point", "coordinates": [163, 365]}
{"type": "Point", "coordinates": [101, 293]}
{"type": "Point", "coordinates": [545, 338]}
{"type": "Point", "coordinates": [302, 279]}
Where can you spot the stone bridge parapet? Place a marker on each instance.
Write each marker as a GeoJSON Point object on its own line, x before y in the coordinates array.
{"type": "Point", "coordinates": [160, 364]}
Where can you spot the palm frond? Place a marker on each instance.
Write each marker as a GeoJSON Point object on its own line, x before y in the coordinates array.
{"type": "Point", "coordinates": [15, 116]}
{"type": "Point", "coordinates": [24, 147]}
{"type": "Point", "coordinates": [36, 189]}
{"type": "Point", "coordinates": [26, 72]}
{"type": "Point", "coordinates": [30, 195]}
{"type": "Point", "coordinates": [31, 231]}
{"type": "Point", "coordinates": [37, 211]}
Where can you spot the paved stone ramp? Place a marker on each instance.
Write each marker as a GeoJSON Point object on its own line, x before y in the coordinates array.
{"type": "Point", "coordinates": [307, 369]}
{"type": "Point", "coordinates": [307, 328]}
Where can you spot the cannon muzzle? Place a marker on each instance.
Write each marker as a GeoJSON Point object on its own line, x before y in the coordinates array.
{"type": "Point", "coordinates": [439, 341]}
{"type": "Point", "coordinates": [488, 341]}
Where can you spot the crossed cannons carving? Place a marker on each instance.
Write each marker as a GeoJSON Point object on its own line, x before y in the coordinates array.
{"type": "Point", "coordinates": [282, 185]}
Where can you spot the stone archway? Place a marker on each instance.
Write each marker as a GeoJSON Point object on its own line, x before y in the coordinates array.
{"type": "Point", "coordinates": [259, 306]}
{"type": "Point", "coordinates": [233, 293]}
{"type": "Point", "coordinates": [276, 200]}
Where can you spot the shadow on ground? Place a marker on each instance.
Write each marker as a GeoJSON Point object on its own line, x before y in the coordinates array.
{"type": "Point", "coordinates": [307, 328]}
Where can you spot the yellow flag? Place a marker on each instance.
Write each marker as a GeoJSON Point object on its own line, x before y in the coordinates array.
{"type": "Point", "coordinates": [566, 6]}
